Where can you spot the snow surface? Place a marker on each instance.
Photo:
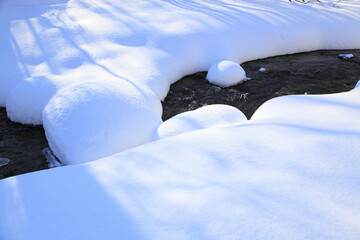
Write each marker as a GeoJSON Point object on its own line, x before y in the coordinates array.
{"type": "Point", "coordinates": [278, 176]}
{"type": "Point", "coordinates": [94, 73]}
{"type": "Point", "coordinates": [209, 116]}
{"type": "Point", "coordinates": [225, 74]}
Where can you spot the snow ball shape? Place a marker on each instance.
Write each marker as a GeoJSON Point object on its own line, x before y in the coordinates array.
{"type": "Point", "coordinates": [89, 121]}
{"type": "Point", "coordinates": [210, 116]}
{"type": "Point", "coordinates": [26, 101]}
{"type": "Point", "coordinates": [226, 74]}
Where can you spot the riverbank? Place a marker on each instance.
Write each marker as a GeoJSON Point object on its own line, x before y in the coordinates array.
{"type": "Point", "coordinates": [318, 72]}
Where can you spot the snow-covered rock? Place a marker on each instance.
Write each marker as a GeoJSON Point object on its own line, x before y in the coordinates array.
{"type": "Point", "coordinates": [26, 101]}
{"type": "Point", "coordinates": [225, 74]}
{"type": "Point", "coordinates": [91, 120]}
{"type": "Point", "coordinates": [209, 116]}
{"type": "Point", "coordinates": [346, 56]}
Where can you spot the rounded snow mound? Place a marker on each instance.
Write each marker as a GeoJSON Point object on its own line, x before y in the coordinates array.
{"type": "Point", "coordinates": [210, 116]}
{"type": "Point", "coordinates": [225, 74]}
{"type": "Point", "coordinates": [27, 100]}
{"type": "Point", "coordinates": [93, 120]}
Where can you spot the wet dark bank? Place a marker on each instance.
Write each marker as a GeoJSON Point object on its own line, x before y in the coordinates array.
{"type": "Point", "coordinates": [318, 72]}
{"type": "Point", "coordinates": [22, 145]}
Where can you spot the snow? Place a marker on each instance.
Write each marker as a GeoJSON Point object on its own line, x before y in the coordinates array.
{"type": "Point", "coordinates": [225, 74]}
{"type": "Point", "coordinates": [49, 47]}
{"type": "Point", "coordinates": [357, 84]}
{"type": "Point", "coordinates": [94, 73]}
{"type": "Point", "coordinates": [262, 69]}
{"type": "Point", "coordinates": [346, 56]}
{"type": "Point", "coordinates": [50, 159]}
{"type": "Point", "coordinates": [27, 99]}
{"type": "Point", "coordinates": [209, 116]}
{"type": "Point", "coordinates": [275, 177]}
{"type": "Point", "coordinates": [91, 120]}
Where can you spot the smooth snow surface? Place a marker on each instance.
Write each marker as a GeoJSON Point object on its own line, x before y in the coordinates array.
{"type": "Point", "coordinates": [277, 176]}
{"type": "Point", "coordinates": [94, 73]}
{"type": "Point", "coordinates": [210, 116]}
{"type": "Point", "coordinates": [225, 74]}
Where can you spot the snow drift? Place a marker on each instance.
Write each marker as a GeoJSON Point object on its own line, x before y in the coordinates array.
{"type": "Point", "coordinates": [269, 178]}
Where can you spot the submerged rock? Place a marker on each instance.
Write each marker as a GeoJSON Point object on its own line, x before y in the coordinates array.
{"type": "Point", "coordinates": [4, 161]}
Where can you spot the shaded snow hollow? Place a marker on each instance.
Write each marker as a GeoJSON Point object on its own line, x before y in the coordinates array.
{"type": "Point", "coordinates": [94, 72]}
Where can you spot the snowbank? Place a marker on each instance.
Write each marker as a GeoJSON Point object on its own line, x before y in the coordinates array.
{"type": "Point", "coordinates": [150, 44]}
{"type": "Point", "coordinates": [266, 178]}
{"type": "Point", "coordinates": [210, 116]}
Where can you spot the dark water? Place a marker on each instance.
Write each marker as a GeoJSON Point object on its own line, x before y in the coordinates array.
{"type": "Point", "coordinates": [317, 72]}
{"type": "Point", "coordinates": [22, 145]}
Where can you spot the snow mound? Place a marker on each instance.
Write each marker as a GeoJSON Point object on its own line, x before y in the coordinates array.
{"type": "Point", "coordinates": [346, 56]}
{"type": "Point", "coordinates": [26, 101]}
{"type": "Point", "coordinates": [209, 116]}
{"type": "Point", "coordinates": [225, 74]}
{"type": "Point", "coordinates": [92, 120]}
{"type": "Point", "coordinates": [297, 109]}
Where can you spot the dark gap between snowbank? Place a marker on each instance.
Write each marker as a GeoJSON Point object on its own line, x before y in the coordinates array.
{"type": "Point", "coordinates": [318, 72]}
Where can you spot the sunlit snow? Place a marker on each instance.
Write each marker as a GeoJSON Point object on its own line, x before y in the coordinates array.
{"type": "Point", "coordinates": [94, 73]}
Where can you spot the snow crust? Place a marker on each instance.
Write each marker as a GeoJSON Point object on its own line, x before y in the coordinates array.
{"type": "Point", "coordinates": [94, 73]}
{"type": "Point", "coordinates": [209, 116]}
{"type": "Point", "coordinates": [225, 74]}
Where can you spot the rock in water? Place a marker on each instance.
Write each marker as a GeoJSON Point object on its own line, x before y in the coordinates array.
{"type": "Point", "coordinates": [4, 161]}
{"type": "Point", "coordinates": [226, 74]}
{"type": "Point", "coordinates": [346, 56]}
